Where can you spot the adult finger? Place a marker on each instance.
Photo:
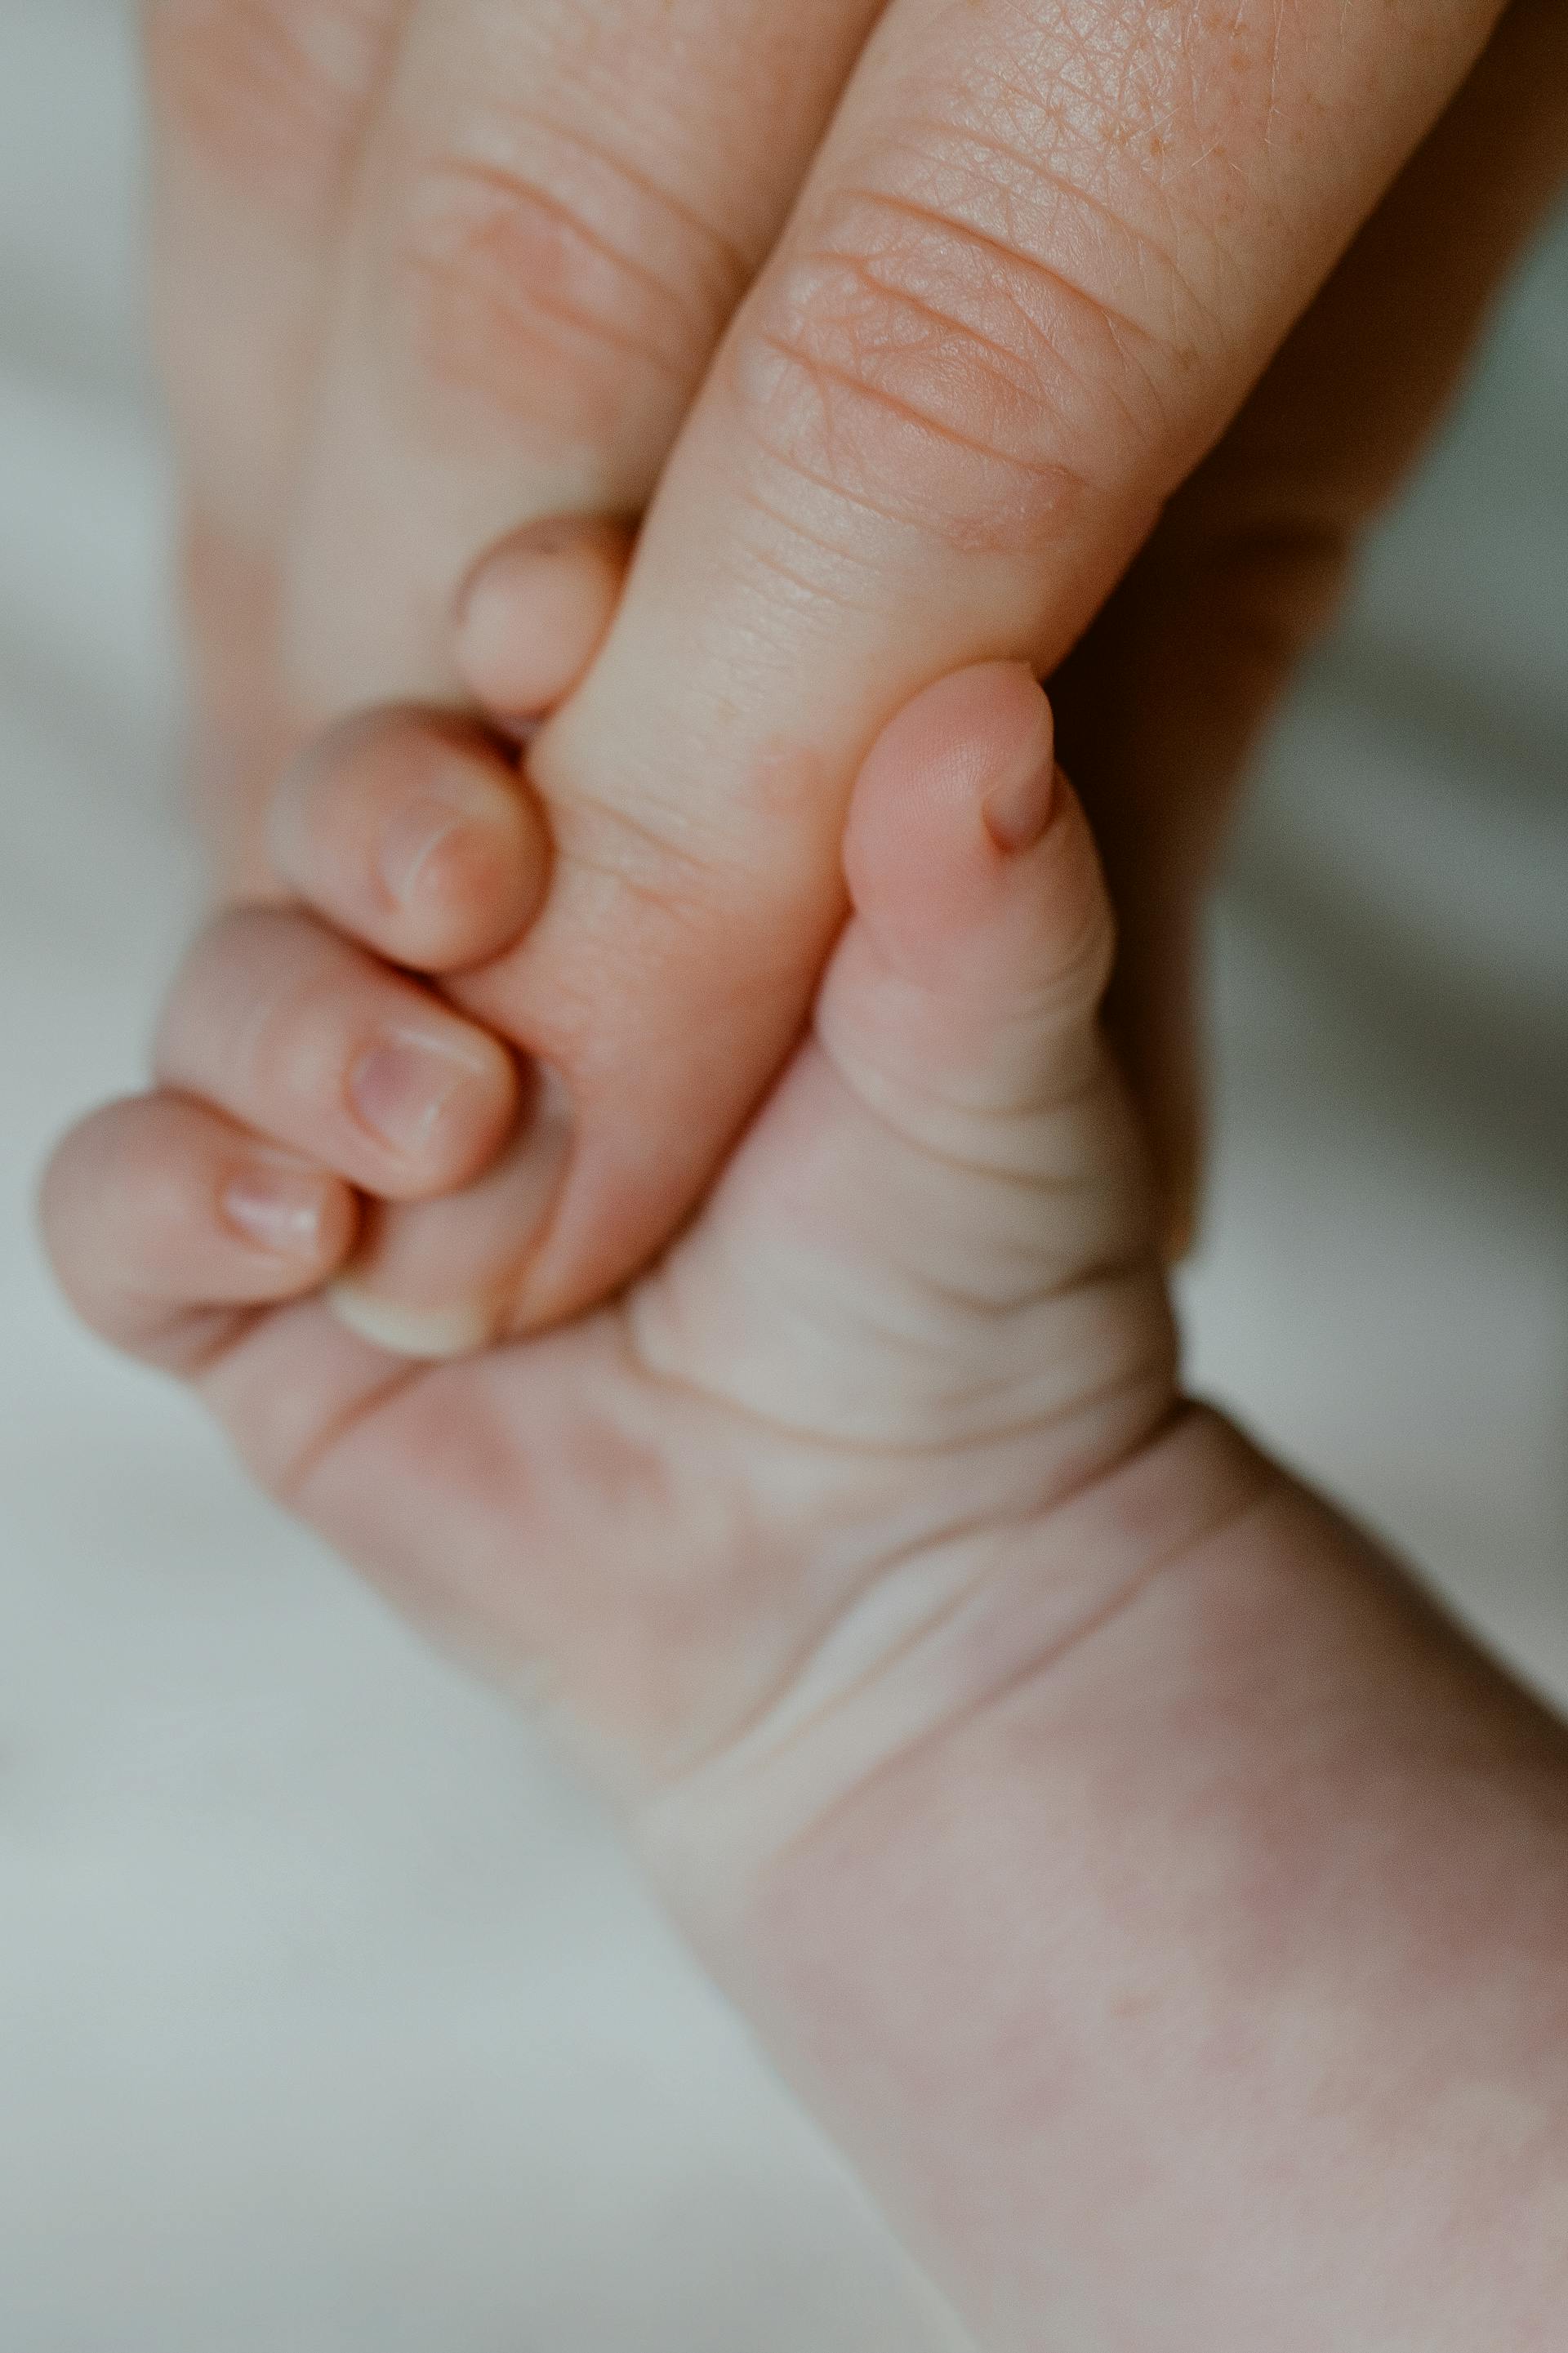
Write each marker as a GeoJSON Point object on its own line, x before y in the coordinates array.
{"type": "Point", "coordinates": [1043, 255]}
{"type": "Point", "coordinates": [258, 109]}
{"type": "Point", "coordinates": [554, 216]}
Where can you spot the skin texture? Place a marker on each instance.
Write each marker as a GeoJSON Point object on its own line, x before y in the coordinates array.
{"type": "Point", "coordinates": [1163, 1906]}
{"type": "Point", "coordinates": [918, 1588]}
{"type": "Point", "coordinates": [450, 225]}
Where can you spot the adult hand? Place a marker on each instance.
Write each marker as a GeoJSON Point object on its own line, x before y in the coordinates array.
{"type": "Point", "coordinates": [426, 269]}
{"type": "Point", "coordinates": [1039, 263]}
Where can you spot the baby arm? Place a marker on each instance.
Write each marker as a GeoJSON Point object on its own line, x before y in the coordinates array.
{"type": "Point", "coordinates": [1202, 1984]}
{"type": "Point", "coordinates": [1160, 1904]}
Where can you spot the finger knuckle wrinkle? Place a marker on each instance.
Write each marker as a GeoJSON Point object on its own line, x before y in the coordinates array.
{"type": "Point", "coordinates": [269, 92]}
{"type": "Point", "coordinates": [522, 290]}
{"type": "Point", "coordinates": [925, 367]}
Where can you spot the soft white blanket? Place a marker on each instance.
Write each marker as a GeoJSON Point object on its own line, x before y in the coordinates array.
{"type": "Point", "coordinates": [329, 2019]}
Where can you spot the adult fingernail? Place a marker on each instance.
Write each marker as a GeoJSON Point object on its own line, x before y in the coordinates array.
{"type": "Point", "coordinates": [410, 1084]}
{"type": "Point", "coordinates": [279, 1209]}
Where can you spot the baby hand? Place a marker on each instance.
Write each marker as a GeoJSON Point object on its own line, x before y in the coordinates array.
{"type": "Point", "coordinates": [767, 1504]}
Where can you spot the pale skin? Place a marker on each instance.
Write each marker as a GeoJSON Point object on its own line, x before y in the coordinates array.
{"type": "Point", "coordinates": [919, 316]}
{"type": "Point", "coordinates": [1120, 1862]}
{"type": "Point", "coordinates": [1162, 1905]}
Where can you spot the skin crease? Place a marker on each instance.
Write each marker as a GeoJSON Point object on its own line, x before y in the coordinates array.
{"type": "Point", "coordinates": [1340, 1833]}
{"type": "Point", "coordinates": [1119, 1856]}
{"type": "Point", "coordinates": [1157, 758]}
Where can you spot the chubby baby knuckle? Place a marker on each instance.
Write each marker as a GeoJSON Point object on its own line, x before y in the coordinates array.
{"type": "Point", "coordinates": [269, 92]}
{"type": "Point", "coordinates": [911, 362]}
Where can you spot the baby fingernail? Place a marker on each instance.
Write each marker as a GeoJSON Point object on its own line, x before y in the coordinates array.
{"type": "Point", "coordinates": [446, 1281]}
{"type": "Point", "coordinates": [411, 842]}
{"type": "Point", "coordinates": [415, 839]}
{"type": "Point", "coordinates": [432, 1334]}
{"type": "Point", "coordinates": [408, 1084]}
{"type": "Point", "coordinates": [278, 1208]}
{"type": "Point", "coordinates": [1018, 810]}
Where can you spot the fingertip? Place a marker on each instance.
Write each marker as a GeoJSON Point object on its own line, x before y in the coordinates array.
{"type": "Point", "coordinates": [953, 747]}
{"type": "Point", "coordinates": [974, 878]}
{"type": "Point", "coordinates": [425, 1335]}
{"type": "Point", "coordinates": [534, 613]}
{"type": "Point", "coordinates": [464, 878]}
{"type": "Point", "coordinates": [963, 777]}
{"type": "Point", "coordinates": [967, 987]}
{"type": "Point", "coordinates": [1016, 812]}
{"type": "Point", "coordinates": [412, 833]}
{"type": "Point", "coordinates": [303, 1217]}
{"type": "Point", "coordinates": [297, 1034]}
{"type": "Point", "coordinates": [159, 1213]}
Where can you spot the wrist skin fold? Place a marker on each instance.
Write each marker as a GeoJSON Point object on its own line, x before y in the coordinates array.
{"type": "Point", "coordinates": [1199, 1977]}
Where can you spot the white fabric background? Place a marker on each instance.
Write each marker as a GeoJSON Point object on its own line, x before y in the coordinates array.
{"type": "Point", "coordinates": [329, 2018]}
